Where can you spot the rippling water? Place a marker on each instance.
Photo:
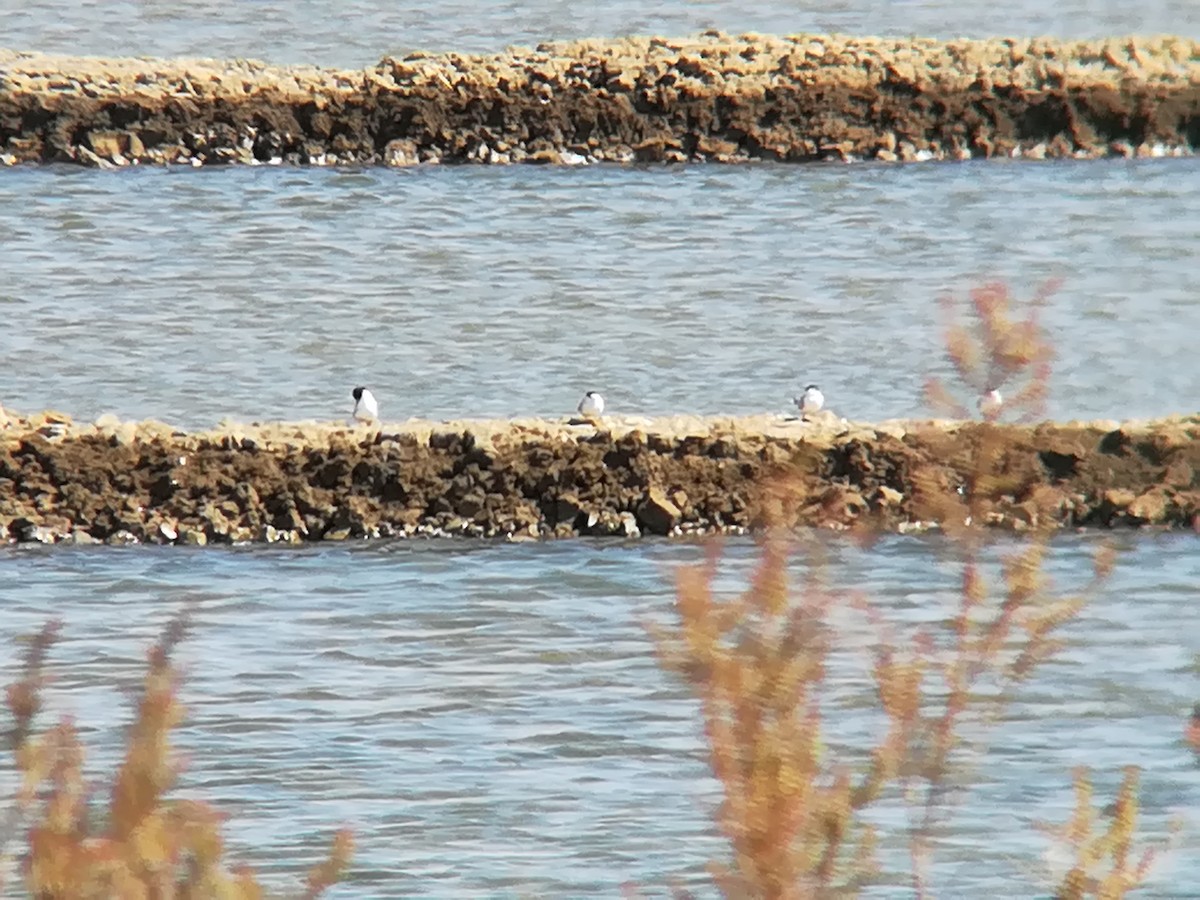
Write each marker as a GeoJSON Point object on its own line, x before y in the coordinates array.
{"type": "Point", "coordinates": [267, 293]}
{"type": "Point", "coordinates": [359, 32]}
{"type": "Point", "coordinates": [491, 721]}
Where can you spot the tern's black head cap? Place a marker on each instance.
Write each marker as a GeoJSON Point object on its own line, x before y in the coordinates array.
{"type": "Point", "coordinates": [357, 393]}
{"type": "Point", "coordinates": [811, 387]}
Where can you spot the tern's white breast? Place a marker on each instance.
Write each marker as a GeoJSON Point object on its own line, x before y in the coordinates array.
{"type": "Point", "coordinates": [591, 405]}
{"type": "Point", "coordinates": [366, 409]}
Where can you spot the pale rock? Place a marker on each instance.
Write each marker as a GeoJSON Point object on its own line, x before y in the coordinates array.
{"type": "Point", "coordinates": [109, 144]}
{"type": "Point", "coordinates": [629, 526]}
{"type": "Point", "coordinates": [125, 434]}
{"type": "Point", "coordinates": [1149, 507]}
{"type": "Point", "coordinates": [88, 158]}
{"type": "Point", "coordinates": [1119, 498]}
{"type": "Point", "coordinates": [889, 496]}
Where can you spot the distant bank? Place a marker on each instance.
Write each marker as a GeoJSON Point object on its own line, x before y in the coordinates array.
{"type": "Point", "coordinates": [714, 97]}
{"type": "Point", "coordinates": [146, 482]}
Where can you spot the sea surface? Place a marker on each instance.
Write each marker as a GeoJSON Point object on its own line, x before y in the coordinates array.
{"type": "Point", "coordinates": [191, 296]}
{"type": "Point", "coordinates": [490, 718]}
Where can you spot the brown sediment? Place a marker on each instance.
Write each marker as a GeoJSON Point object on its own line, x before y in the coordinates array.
{"type": "Point", "coordinates": [713, 97]}
{"type": "Point", "coordinates": [147, 482]}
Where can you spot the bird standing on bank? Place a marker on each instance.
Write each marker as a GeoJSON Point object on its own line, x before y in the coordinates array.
{"type": "Point", "coordinates": [365, 407]}
{"type": "Point", "coordinates": [811, 401]}
{"type": "Point", "coordinates": [591, 406]}
{"type": "Point", "coordinates": [989, 404]}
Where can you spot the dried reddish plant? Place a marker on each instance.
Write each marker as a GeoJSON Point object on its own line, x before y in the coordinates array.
{"type": "Point", "coordinates": [791, 808]}
{"type": "Point", "coordinates": [996, 350]}
{"type": "Point", "coordinates": [996, 639]}
{"type": "Point", "coordinates": [328, 873]}
{"type": "Point", "coordinates": [757, 663]}
{"type": "Point", "coordinates": [148, 844]}
{"type": "Point", "coordinates": [1103, 860]}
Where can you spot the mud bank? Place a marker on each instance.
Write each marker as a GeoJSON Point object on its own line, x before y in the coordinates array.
{"type": "Point", "coordinates": [146, 482]}
{"type": "Point", "coordinates": [714, 97]}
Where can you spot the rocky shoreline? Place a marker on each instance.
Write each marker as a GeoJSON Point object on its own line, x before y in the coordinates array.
{"type": "Point", "coordinates": [125, 482]}
{"type": "Point", "coordinates": [713, 97]}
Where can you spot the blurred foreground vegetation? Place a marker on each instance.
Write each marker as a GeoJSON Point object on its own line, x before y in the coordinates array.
{"type": "Point", "coordinates": [141, 843]}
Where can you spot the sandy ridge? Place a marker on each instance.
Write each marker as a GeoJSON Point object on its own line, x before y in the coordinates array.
{"type": "Point", "coordinates": [712, 97]}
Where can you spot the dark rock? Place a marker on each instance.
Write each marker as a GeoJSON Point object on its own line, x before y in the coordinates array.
{"type": "Point", "coordinates": [471, 504]}
{"type": "Point", "coordinates": [290, 519]}
{"type": "Point", "coordinates": [1116, 443]}
{"type": "Point", "coordinates": [657, 514]}
{"type": "Point", "coordinates": [28, 532]}
{"type": "Point", "coordinates": [162, 489]}
{"type": "Point", "coordinates": [344, 518]}
{"type": "Point", "coordinates": [446, 440]}
{"type": "Point", "coordinates": [564, 509]}
{"type": "Point", "coordinates": [1061, 466]}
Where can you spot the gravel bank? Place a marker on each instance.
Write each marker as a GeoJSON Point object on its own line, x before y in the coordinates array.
{"type": "Point", "coordinates": [124, 482]}
{"type": "Point", "coordinates": [715, 97]}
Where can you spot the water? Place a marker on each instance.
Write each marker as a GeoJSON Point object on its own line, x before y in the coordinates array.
{"type": "Point", "coordinates": [190, 296]}
{"type": "Point", "coordinates": [491, 720]}
{"type": "Point", "coordinates": [359, 32]}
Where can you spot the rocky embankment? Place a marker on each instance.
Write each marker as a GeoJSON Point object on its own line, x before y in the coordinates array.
{"type": "Point", "coordinates": [714, 97]}
{"type": "Point", "coordinates": [147, 482]}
